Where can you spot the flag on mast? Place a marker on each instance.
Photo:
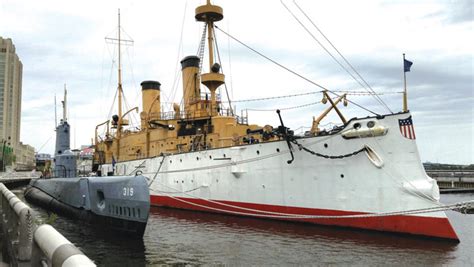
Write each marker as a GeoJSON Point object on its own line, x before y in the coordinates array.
{"type": "Point", "coordinates": [407, 65]}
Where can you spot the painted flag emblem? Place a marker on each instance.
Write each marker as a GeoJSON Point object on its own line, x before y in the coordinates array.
{"type": "Point", "coordinates": [406, 128]}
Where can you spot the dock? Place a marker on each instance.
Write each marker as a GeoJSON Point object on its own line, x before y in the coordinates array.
{"type": "Point", "coordinates": [453, 181]}
{"type": "Point", "coordinates": [15, 179]}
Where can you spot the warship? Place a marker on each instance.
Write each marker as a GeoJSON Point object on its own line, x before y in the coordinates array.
{"type": "Point", "coordinates": [120, 203]}
{"type": "Point", "coordinates": [365, 173]}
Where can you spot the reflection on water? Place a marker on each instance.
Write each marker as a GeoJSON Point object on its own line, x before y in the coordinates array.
{"type": "Point", "coordinates": [186, 237]}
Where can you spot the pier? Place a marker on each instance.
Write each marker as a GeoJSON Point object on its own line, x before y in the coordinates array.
{"type": "Point", "coordinates": [24, 243]}
{"type": "Point", "coordinates": [15, 179]}
{"type": "Point", "coordinates": [453, 181]}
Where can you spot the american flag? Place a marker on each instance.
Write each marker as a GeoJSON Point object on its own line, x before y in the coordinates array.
{"type": "Point", "coordinates": [406, 128]}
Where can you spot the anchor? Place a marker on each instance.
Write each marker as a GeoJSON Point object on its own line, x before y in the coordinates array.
{"type": "Point", "coordinates": [288, 135]}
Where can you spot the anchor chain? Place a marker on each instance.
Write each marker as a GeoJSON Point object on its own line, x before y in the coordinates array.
{"type": "Point", "coordinates": [301, 147]}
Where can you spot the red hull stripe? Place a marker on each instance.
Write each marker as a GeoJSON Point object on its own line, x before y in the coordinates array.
{"type": "Point", "coordinates": [417, 225]}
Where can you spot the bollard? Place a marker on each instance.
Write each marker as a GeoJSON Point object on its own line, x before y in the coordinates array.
{"type": "Point", "coordinates": [57, 249]}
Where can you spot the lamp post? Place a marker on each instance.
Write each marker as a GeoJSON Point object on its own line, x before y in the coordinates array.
{"type": "Point", "coordinates": [3, 154]}
{"type": "Point", "coordinates": [4, 142]}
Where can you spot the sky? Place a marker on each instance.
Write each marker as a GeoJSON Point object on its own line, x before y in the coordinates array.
{"type": "Point", "coordinates": [63, 42]}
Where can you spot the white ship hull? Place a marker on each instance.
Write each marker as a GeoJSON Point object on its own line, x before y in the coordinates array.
{"type": "Point", "coordinates": [256, 180]}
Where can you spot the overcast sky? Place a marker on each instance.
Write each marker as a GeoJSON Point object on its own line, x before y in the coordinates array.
{"type": "Point", "coordinates": [63, 42]}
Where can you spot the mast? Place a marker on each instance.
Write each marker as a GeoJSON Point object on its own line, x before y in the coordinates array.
{"type": "Point", "coordinates": [65, 104]}
{"type": "Point", "coordinates": [119, 42]}
{"type": "Point", "coordinates": [209, 14]}
{"type": "Point", "coordinates": [55, 113]}
{"type": "Point", "coordinates": [210, 38]}
{"type": "Point", "coordinates": [119, 123]}
{"type": "Point", "coordinates": [405, 102]}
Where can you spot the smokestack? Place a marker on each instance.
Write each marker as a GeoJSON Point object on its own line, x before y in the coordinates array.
{"type": "Point", "coordinates": [151, 101]}
{"type": "Point", "coordinates": [190, 70]}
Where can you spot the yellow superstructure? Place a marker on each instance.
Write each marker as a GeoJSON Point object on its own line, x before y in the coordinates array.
{"type": "Point", "coordinates": [203, 124]}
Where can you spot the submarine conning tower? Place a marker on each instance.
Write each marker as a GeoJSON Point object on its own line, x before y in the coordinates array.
{"type": "Point", "coordinates": [64, 160]}
{"type": "Point", "coordinates": [195, 104]}
{"type": "Point", "coordinates": [150, 102]}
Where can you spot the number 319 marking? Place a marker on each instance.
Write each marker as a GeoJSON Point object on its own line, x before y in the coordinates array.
{"type": "Point", "coordinates": [128, 191]}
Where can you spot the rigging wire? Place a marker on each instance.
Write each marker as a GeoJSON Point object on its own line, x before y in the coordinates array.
{"type": "Point", "coordinates": [133, 115]}
{"type": "Point", "coordinates": [230, 64]}
{"type": "Point", "coordinates": [286, 108]}
{"type": "Point", "coordinates": [340, 54]}
{"type": "Point", "coordinates": [327, 51]}
{"type": "Point", "coordinates": [177, 69]}
{"type": "Point", "coordinates": [356, 93]}
{"type": "Point", "coordinates": [291, 71]}
{"type": "Point", "coordinates": [202, 45]}
{"type": "Point", "coordinates": [225, 85]}
{"type": "Point", "coordinates": [112, 106]}
{"type": "Point", "coordinates": [47, 141]}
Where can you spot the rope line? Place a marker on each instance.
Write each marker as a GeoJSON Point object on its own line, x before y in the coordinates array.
{"type": "Point", "coordinates": [291, 71]}
{"type": "Point", "coordinates": [331, 55]}
{"type": "Point", "coordinates": [357, 93]}
{"type": "Point", "coordinates": [340, 54]}
{"type": "Point", "coordinates": [287, 108]}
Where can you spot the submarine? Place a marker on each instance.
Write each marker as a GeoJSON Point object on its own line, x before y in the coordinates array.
{"type": "Point", "coordinates": [118, 203]}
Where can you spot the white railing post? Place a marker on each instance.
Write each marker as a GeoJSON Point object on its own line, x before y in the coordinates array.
{"type": "Point", "coordinates": [58, 251]}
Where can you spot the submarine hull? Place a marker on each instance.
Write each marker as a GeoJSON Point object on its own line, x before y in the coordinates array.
{"type": "Point", "coordinates": [121, 203]}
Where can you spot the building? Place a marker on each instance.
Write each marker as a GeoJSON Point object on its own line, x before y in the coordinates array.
{"type": "Point", "coordinates": [25, 158]}
{"type": "Point", "coordinates": [11, 71]}
{"type": "Point", "coordinates": [11, 74]}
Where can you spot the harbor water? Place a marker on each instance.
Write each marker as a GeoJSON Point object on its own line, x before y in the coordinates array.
{"type": "Point", "coordinates": [187, 237]}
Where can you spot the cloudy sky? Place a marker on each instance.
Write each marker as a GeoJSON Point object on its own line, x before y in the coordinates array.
{"type": "Point", "coordinates": [63, 42]}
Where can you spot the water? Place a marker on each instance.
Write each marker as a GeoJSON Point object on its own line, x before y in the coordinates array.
{"type": "Point", "coordinates": [186, 237]}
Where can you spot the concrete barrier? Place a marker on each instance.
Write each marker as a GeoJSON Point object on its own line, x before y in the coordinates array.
{"type": "Point", "coordinates": [17, 223]}
{"type": "Point", "coordinates": [47, 248]}
{"type": "Point", "coordinates": [56, 250]}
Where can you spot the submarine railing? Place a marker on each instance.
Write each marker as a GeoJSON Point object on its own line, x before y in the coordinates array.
{"type": "Point", "coordinates": [30, 245]}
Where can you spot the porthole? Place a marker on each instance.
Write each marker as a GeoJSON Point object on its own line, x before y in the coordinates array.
{"type": "Point", "coordinates": [197, 158]}
{"type": "Point", "coordinates": [370, 124]}
{"type": "Point", "coordinates": [357, 126]}
{"type": "Point", "coordinates": [224, 155]}
{"type": "Point", "coordinates": [278, 150]}
{"type": "Point", "coordinates": [342, 175]}
{"type": "Point", "coordinates": [210, 157]}
{"type": "Point", "coordinates": [258, 152]}
{"type": "Point", "coordinates": [171, 161]}
{"type": "Point", "coordinates": [325, 145]}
